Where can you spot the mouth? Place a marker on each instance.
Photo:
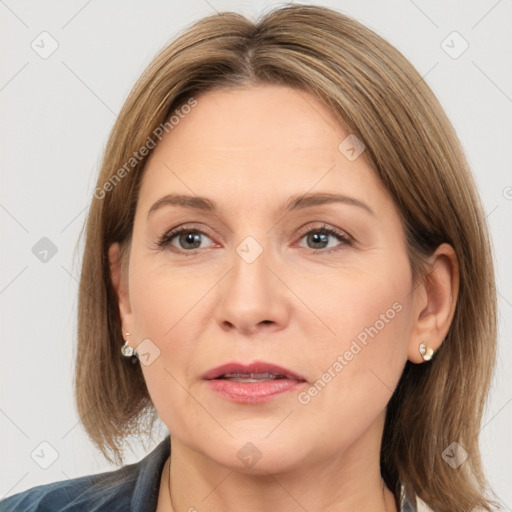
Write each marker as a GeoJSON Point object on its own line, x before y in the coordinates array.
{"type": "Point", "coordinates": [252, 383]}
{"type": "Point", "coordinates": [253, 372]}
{"type": "Point", "coordinates": [251, 377]}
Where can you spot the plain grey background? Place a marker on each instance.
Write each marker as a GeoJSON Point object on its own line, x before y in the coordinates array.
{"type": "Point", "coordinates": [57, 112]}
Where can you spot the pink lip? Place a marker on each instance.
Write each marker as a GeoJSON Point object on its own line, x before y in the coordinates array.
{"type": "Point", "coordinates": [255, 367]}
{"type": "Point", "coordinates": [252, 392]}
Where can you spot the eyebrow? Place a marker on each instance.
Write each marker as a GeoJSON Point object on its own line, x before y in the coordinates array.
{"type": "Point", "coordinates": [296, 202]}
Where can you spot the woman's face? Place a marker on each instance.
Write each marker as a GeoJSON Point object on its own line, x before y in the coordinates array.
{"type": "Point", "coordinates": [264, 281]}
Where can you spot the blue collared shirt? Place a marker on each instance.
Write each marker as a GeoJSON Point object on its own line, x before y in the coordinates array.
{"type": "Point", "coordinates": [132, 488]}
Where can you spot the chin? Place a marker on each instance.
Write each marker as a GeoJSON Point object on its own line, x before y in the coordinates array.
{"type": "Point", "coordinates": [260, 456]}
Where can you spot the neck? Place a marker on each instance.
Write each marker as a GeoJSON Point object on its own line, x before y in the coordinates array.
{"type": "Point", "coordinates": [347, 481]}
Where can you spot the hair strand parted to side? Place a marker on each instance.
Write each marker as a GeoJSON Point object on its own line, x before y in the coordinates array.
{"type": "Point", "coordinates": [378, 95]}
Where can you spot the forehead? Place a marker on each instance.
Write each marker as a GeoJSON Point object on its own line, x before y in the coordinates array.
{"type": "Point", "coordinates": [257, 142]}
{"type": "Point", "coordinates": [256, 117]}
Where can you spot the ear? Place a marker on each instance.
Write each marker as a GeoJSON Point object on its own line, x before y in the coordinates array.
{"type": "Point", "coordinates": [119, 277]}
{"type": "Point", "coordinates": [434, 302]}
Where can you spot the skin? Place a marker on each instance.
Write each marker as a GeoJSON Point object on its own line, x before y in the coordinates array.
{"type": "Point", "coordinates": [296, 305]}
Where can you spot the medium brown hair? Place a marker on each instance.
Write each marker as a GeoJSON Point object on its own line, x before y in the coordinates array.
{"type": "Point", "coordinates": [412, 147]}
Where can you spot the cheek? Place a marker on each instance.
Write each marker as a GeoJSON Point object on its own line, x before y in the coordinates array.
{"type": "Point", "coordinates": [367, 301]}
{"type": "Point", "coordinates": [167, 309]}
{"type": "Point", "coordinates": [163, 299]}
{"type": "Point", "coordinates": [358, 368]}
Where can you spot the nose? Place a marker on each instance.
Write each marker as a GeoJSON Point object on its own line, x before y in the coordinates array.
{"type": "Point", "coordinates": [253, 297]}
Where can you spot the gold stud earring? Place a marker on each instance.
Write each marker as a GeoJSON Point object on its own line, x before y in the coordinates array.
{"type": "Point", "coordinates": [426, 351]}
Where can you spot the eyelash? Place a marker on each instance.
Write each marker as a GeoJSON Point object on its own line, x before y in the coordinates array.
{"type": "Point", "coordinates": [166, 238]}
